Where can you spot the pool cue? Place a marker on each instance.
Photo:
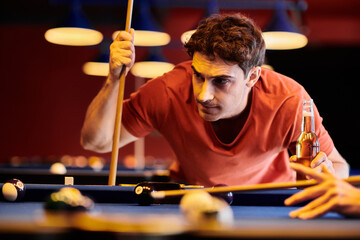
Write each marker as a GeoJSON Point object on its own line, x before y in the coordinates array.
{"type": "Point", "coordinates": [354, 180]}
{"type": "Point", "coordinates": [116, 136]}
{"type": "Point", "coordinates": [181, 185]}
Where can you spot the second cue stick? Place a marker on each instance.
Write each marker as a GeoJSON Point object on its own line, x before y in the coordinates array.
{"type": "Point", "coordinates": [117, 127]}
{"type": "Point", "coordinates": [355, 180]}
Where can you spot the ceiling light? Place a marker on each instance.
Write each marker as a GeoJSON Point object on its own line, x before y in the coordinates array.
{"type": "Point", "coordinates": [148, 38]}
{"type": "Point", "coordinates": [212, 7]}
{"type": "Point", "coordinates": [100, 66]}
{"type": "Point", "coordinates": [186, 36]}
{"type": "Point", "coordinates": [96, 68]}
{"type": "Point", "coordinates": [76, 31]}
{"type": "Point", "coordinates": [155, 65]}
{"type": "Point", "coordinates": [147, 31]}
{"type": "Point", "coordinates": [282, 33]}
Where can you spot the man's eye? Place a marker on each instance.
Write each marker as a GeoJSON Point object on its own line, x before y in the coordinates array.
{"type": "Point", "coordinates": [198, 76]}
{"type": "Point", "coordinates": [220, 81]}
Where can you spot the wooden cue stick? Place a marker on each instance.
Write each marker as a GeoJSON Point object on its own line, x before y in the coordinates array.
{"type": "Point", "coordinates": [263, 186]}
{"type": "Point", "coordinates": [181, 185]}
{"type": "Point", "coordinates": [116, 136]}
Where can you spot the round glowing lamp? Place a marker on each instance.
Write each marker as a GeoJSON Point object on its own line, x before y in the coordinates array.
{"type": "Point", "coordinates": [151, 69]}
{"type": "Point", "coordinates": [147, 30]}
{"type": "Point", "coordinates": [75, 31]}
{"type": "Point", "coordinates": [73, 36]}
{"type": "Point", "coordinates": [281, 33]}
{"type": "Point", "coordinates": [144, 38]}
{"type": "Point", "coordinates": [96, 68]}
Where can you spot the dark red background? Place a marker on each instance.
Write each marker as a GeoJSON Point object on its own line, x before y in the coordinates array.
{"type": "Point", "coordinates": [44, 93]}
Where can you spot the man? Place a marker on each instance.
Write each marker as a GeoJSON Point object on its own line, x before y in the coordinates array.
{"type": "Point", "coordinates": [228, 120]}
{"type": "Point", "coordinates": [331, 194]}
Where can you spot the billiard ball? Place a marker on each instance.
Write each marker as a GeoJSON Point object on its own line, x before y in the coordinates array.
{"type": "Point", "coordinates": [200, 208]}
{"type": "Point", "coordinates": [227, 196]}
{"type": "Point", "coordinates": [143, 192]}
{"type": "Point", "coordinates": [196, 199]}
{"type": "Point", "coordinates": [13, 190]}
{"type": "Point", "coordinates": [58, 168]}
{"type": "Point", "coordinates": [70, 199]}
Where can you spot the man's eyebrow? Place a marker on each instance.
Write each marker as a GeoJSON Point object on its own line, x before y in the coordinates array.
{"type": "Point", "coordinates": [217, 76]}
{"type": "Point", "coordinates": [193, 68]}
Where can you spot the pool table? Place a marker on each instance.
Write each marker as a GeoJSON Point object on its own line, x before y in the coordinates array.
{"type": "Point", "coordinates": [39, 174]}
{"type": "Point", "coordinates": [116, 215]}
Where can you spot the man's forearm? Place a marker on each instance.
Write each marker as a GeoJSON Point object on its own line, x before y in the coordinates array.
{"type": "Point", "coordinates": [98, 127]}
{"type": "Point", "coordinates": [341, 169]}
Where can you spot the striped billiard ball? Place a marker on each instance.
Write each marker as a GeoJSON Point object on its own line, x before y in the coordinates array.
{"type": "Point", "coordinates": [13, 190]}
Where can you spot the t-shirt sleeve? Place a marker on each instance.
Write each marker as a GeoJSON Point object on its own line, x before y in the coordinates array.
{"type": "Point", "coordinates": [149, 107]}
{"type": "Point", "coordinates": [145, 110]}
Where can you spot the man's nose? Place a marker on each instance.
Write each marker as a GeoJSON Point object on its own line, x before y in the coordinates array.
{"type": "Point", "coordinates": [206, 93]}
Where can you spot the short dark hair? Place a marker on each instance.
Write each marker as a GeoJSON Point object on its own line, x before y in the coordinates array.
{"type": "Point", "coordinates": [232, 37]}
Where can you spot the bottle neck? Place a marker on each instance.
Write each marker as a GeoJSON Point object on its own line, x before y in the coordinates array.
{"type": "Point", "coordinates": [308, 124]}
{"type": "Point", "coordinates": [308, 117]}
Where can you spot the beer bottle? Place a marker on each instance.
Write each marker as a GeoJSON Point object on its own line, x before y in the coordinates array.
{"type": "Point", "coordinates": [307, 145]}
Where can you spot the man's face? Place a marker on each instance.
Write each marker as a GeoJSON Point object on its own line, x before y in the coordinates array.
{"type": "Point", "coordinates": [220, 88]}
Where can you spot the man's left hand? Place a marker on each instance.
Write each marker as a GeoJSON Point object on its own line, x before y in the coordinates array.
{"type": "Point", "coordinates": [320, 160]}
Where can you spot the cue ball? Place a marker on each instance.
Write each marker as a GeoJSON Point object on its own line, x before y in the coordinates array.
{"type": "Point", "coordinates": [199, 207]}
{"type": "Point", "coordinates": [13, 190]}
{"type": "Point", "coordinates": [58, 168]}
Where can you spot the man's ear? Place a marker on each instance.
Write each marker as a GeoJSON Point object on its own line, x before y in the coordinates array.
{"type": "Point", "coordinates": [254, 75]}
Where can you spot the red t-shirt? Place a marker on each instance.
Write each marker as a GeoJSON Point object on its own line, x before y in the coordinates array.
{"type": "Point", "coordinates": [258, 154]}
